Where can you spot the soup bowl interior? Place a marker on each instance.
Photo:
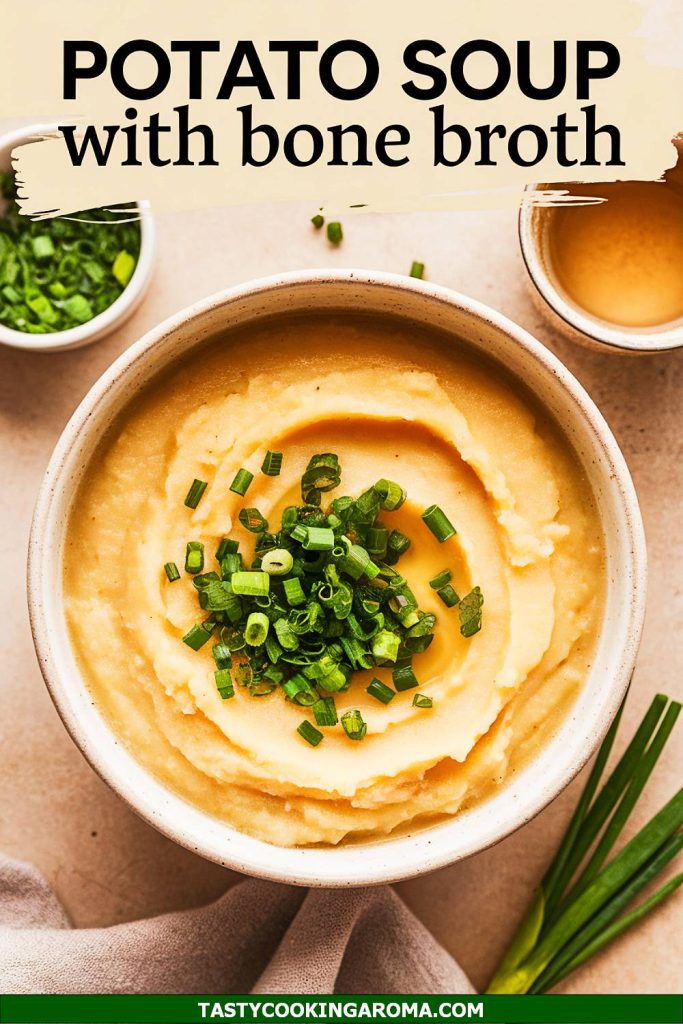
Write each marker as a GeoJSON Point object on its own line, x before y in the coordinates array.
{"type": "Point", "coordinates": [466, 322]}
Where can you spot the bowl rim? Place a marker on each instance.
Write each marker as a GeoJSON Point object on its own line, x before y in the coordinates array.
{"type": "Point", "coordinates": [334, 866]}
{"type": "Point", "coordinates": [599, 333]}
{"type": "Point", "coordinates": [111, 317]}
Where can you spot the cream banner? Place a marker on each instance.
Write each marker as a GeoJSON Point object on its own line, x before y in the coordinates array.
{"type": "Point", "coordinates": [387, 103]}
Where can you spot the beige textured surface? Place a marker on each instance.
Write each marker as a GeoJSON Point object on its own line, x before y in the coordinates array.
{"type": "Point", "coordinates": [105, 863]}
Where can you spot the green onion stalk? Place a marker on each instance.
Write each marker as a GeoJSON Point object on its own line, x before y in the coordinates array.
{"type": "Point", "coordinates": [583, 901]}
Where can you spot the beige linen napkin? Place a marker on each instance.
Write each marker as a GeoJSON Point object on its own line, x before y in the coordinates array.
{"type": "Point", "coordinates": [259, 937]}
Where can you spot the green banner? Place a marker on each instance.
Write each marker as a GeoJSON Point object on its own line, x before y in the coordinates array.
{"type": "Point", "coordinates": [157, 1009]}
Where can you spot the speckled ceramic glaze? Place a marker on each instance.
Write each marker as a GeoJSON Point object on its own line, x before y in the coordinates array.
{"type": "Point", "coordinates": [532, 788]}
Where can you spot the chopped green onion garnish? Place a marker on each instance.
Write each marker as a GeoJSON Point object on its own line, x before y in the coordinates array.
{"type": "Point", "coordinates": [202, 580]}
{"type": "Point", "coordinates": [470, 612]}
{"type": "Point", "coordinates": [252, 520]}
{"type": "Point", "coordinates": [355, 562]}
{"type": "Point", "coordinates": [448, 595]}
{"type": "Point", "coordinates": [224, 683]}
{"type": "Point", "coordinates": [196, 637]}
{"type": "Point", "coordinates": [423, 627]}
{"type": "Point", "coordinates": [272, 464]}
{"type": "Point", "coordinates": [256, 630]}
{"type": "Point", "coordinates": [417, 645]}
{"type": "Point", "coordinates": [403, 603]}
{"type": "Point", "coordinates": [222, 655]}
{"type": "Point", "coordinates": [195, 493]}
{"type": "Point", "coordinates": [376, 540]}
{"type": "Point", "coordinates": [317, 221]}
{"type": "Point", "coordinates": [230, 564]}
{"type": "Point", "coordinates": [334, 232]}
{"type": "Point", "coordinates": [335, 680]}
{"type": "Point", "coordinates": [397, 545]}
{"type": "Point", "coordinates": [273, 650]}
{"type": "Point", "coordinates": [240, 484]}
{"type": "Point", "coordinates": [299, 690]}
{"type": "Point", "coordinates": [226, 547]}
{"type": "Point", "coordinates": [421, 701]}
{"type": "Point", "coordinates": [353, 725]}
{"type": "Point", "coordinates": [322, 474]}
{"type": "Point", "coordinates": [380, 691]}
{"type": "Point", "coordinates": [286, 636]}
{"type": "Point", "coordinates": [316, 538]}
{"type": "Point", "coordinates": [392, 495]}
{"type": "Point", "coordinates": [309, 733]}
{"type": "Point", "coordinates": [194, 556]}
{"type": "Point", "coordinates": [325, 711]}
{"type": "Point", "coordinates": [404, 678]}
{"type": "Point", "coordinates": [409, 618]}
{"type": "Point", "coordinates": [319, 600]}
{"type": "Point", "coordinates": [294, 592]}
{"type": "Point", "coordinates": [218, 596]}
{"type": "Point", "coordinates": [439, 523]}
{"type": "Point", "coordinates": [372, 570]}
{"type": "Point", "coordinates": [289, 519]}
{"type": "Point", "coordinates": [441, 579]}
{"type": "Point", "coordinates": [171, 570]}
{"type": "Point", "coordinates": [252, 584]}
{"type": "Point", "coordinates": [385, 645]}
{"type": "Point", "coordinates": [319, 669]}
{"type": "Point", "coordinates": [417, 269]}
{"type": "Point", "coordinates": [232, 639]}
{"type": "Point", "coordinates": [365, 508]}
{"type": "Point", "coordinates": [277, 562]}
{"type": "Point", "coordinates": [370, 606]}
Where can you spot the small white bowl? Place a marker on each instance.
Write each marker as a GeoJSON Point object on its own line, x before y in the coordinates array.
{"type": "Point", "coordinates": [122, 307]}
{"type": "Point", "coordinates": [483, 330]}
{"type": "Point", "coordinates": [565, 315]}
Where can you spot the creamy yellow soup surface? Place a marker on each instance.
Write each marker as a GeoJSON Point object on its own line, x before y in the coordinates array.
{"type": "Point", "coordinates": [392, 401]}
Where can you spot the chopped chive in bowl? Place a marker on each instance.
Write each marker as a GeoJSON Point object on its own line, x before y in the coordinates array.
{"type": "Point", "coordinates": [60, 273]}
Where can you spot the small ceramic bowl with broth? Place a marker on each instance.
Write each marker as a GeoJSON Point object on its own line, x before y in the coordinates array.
{"type": "Point", "coordinates": [606, 261]}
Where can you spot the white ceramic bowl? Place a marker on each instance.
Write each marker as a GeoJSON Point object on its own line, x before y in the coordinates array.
{"type": "Point", "coordinates": [120, 309]}
{"type": "Point", "coordinates": [427, 848]}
